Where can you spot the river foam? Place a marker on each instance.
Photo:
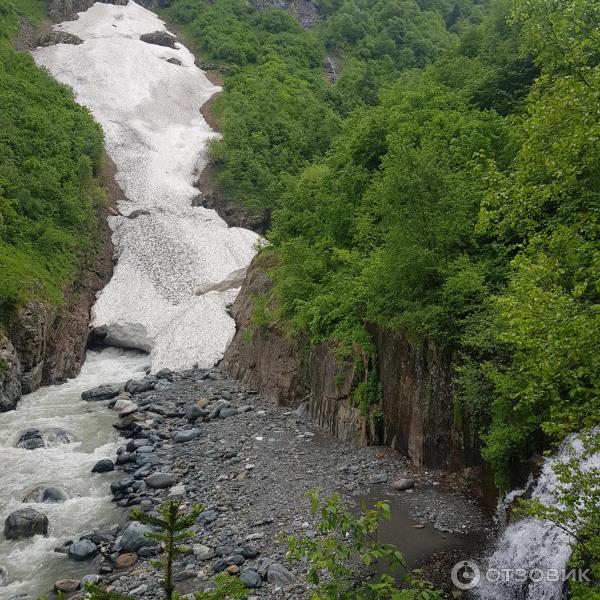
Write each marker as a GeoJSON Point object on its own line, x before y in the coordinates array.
{"type": "Point", "coordinates": [149, 110]}
{"type": "Point", "coordinates": [32, 565]}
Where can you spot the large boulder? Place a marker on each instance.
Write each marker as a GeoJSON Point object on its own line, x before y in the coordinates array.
{"type": "Point", "coordinates": [25, 523]}
{"type": "Point", "coordinates": [48, 494]}
{"type": "Point", "coordinates": [137, 386]}
{"type": "Point", "coordinates": [33, 438]}
{"type": "Point", "coordinates": [159, 38]}
{"type": "Point", "coordinates": [134, 537]}
{"type": "Point", "coordinates": [103, 466]}
{"type": "Point", "coordinates": [102, 392]}
{"type": "Point", "coordinates": [82, 550]}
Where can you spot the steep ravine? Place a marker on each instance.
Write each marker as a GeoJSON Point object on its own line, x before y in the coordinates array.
{"type": "Point", "coordinates": [417, 414]}
{"type": "Point", "coordinates": [45, 343]}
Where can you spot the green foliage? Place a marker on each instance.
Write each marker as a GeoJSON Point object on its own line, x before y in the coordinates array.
{"type": "Point", "coordinates": [223, 587]}
{"type": "Point", "coordinates": [173, 530]}
{"type": "Point", "coordinates": [544, 374]}
{"type": "Point", "coordinates": [340, 557]}
{"type": "Point", "coordinates": [50, 149]}
{"type": "Point", "coordinates": [446, 185]}
{"type": "Point", "coordinates": [575, 510]}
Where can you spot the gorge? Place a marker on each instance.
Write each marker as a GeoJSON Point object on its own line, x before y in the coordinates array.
{"type": "Point", "coordinates": [391, 309]}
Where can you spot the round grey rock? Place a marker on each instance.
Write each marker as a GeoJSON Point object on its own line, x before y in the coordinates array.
{"type": "Point", "coordinates": [25, 523]}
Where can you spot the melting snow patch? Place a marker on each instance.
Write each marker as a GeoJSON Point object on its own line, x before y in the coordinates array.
{"type": "Point", "coordinates": [154, 132]}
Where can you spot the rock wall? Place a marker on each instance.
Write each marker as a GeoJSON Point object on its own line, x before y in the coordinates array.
{"type": "Point", "coordinates": [416, 410]}
{"type": "Point", "coordinates": [44, 343]}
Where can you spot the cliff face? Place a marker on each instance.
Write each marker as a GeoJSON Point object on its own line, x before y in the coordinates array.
{"type": "Point", "coordinates": [416, 410]}
{"type": "Point", "coordinates": [44, 343]}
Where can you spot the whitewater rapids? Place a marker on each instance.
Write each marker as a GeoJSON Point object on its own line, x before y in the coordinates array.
{"type": "Point", "coordinates": [166, 250]}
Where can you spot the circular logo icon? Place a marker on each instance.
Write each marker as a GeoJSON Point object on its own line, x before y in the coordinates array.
{"type": "Point", "coordinates": [465, 575]}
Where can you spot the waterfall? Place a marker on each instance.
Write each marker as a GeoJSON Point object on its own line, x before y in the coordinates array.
{"type": "Point", "coordinates": [533, 546]}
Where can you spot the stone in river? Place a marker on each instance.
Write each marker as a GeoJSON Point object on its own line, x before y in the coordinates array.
{"type": "Point", "coordinates": [147, 458]}
{"type": "Point", "coordinates": [31, 439]}
{"type": "Point", "coordinates": [121, 485]}
{"type": "Point", "coordinates": [46, 495]}
{"type": "Point", "coordinates": [186, 435]}
{"type": "Point", "coordinates": [25, 523]}
{"type": "Point", "coordinates": [67, 586]}
{"type": "Point", "coordinates": [82, 550]}
{"type": "Point", "coordinates": [161, 481]}
{"type": "Point", "coordinates": [102, 392]}
{"type": "Point", "coordinates": [103, 466]}
{"type": "Point", "coordinates": [137, 386]}
{"type": "Point", "coordinates": [250, 579]}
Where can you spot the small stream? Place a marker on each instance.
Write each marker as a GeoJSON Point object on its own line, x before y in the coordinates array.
{"type": "Point", "coordinates": [32, 566]}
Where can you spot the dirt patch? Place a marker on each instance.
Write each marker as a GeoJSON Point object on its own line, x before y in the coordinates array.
{"type": "Point", "coordinates": [208, 111]}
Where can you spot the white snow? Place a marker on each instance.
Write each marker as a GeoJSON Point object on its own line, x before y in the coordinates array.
{"type": "Point", "coordinates": [149, 110]}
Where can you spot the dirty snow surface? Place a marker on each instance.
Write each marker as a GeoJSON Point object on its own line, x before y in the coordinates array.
{"type": "Point", "coordinates": [166, 249]}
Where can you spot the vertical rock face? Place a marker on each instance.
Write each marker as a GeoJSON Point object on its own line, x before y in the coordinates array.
{"type": "Point", "coordinates": [415, 381]}
{"type": "Point", "coordinates": [10, 375]}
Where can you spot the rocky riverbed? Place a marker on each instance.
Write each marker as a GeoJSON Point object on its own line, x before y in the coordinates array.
{"type": "Point", "coordinates": [205, 438]}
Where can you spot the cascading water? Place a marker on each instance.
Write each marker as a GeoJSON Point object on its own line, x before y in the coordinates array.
{"type": "Point", "coordinates": [539, 549]}
{"type": "Point", "coordinates": [147, 99]}
{"type": "Point", "coordinates": [31, 564]}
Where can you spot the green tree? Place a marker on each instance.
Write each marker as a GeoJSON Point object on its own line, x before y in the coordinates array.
{"type": "Point", "coordinates": [340, 557]}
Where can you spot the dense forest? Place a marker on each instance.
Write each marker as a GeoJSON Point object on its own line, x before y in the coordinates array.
{"type": "Point", "coordinates": [49, 150]}
{"type": "Point", "coordinates": [446, 184]}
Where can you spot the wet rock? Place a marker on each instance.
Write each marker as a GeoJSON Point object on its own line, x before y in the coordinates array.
{"type": "Point", "coordinates": [186, 435]}
{"type": "Point", "coordinates": [126, 560]}
{"type": "Point", "coordinates": [102, 392]}
{"type": "Point", "coordinates": [103, 466]}
{"type": "Point", "coordinates": [138, 386]}
{"type": "Point", "coordinates": [67, 586]}
{"type": "Point", "coordinates": [159, 38]}
{"type": "Point", "coordinates": [31, 439]}
{"type": "Point", "coordinates": [121, 485]}
{"type": "Point", "coordinates": [250, 579]}
{"type": "Point", "coordinates": [277, 574]}
{"type": "Point", "coordinates": [134, 537]}
{"type": "Point", "coordinates": [161, 481]}
{"type": "Point", "coordinates": [166, 373]}
{"type": "Point", "coordinates": [147, 458]}
{"type": "Point", "coordinates": [46, 495]}
{"type": "Point", "coordinates": [25, 523]}
{"type": "Point", "coordinates": [403, 484]}
{"type": "Point", "coordinates": [82, 550]}
{"type": "Point", "coordinates": [3, 577]}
